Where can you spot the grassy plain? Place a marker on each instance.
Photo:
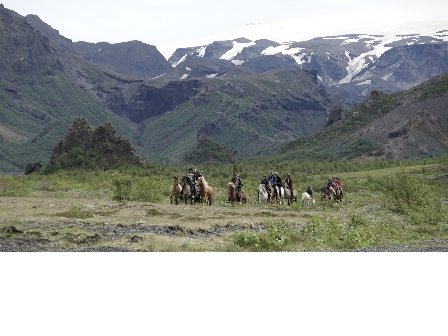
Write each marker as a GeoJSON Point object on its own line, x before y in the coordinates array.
{"type": "Point", "coordinates": [82, 210]}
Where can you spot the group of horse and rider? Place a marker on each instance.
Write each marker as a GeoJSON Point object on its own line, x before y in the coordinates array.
{"type": "Point", "coordinates": [194, 187]}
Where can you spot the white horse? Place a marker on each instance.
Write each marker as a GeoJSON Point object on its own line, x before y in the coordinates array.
{"type": "Point", "coordinates": [307, 198]}
{"type": "Point", "coordinates": [262, 194]}
{"type": "Point", "coordinates": [280, 194]}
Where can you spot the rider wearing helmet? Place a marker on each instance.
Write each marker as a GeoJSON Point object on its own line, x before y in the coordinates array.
{"type": "Point", "coordinates": [271, 178]}
{"type": "Point", "coordinates": [277, 182]}
{"type": "Point", "coordinates": [288, 182]}
{"type": "Point", "coordinates": [265, 182]}
{"type": "Point", "coordinates": [309, 191]}
{"type": "Point", "coordinates": [234, 180]}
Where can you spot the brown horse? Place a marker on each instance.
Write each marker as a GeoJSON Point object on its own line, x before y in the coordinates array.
{"type": "Point", "coordinates": [338, 197]}
{"type": "Point", "coordinates": [206, 192]}
{"type": "Point", "coordinates": [327, 194]}
{"type": "Point", "coordinates": [232, 194]}
{"type": "Point", "coordinates": [175, 190]}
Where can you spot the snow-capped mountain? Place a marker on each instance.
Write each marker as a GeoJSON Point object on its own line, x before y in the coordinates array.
{"type": "Point", "coordinates": [355, 54]}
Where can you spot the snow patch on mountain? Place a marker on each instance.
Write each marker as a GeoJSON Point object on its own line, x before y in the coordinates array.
{"type": "Point", "coordinates": [386, 78]}
{"type": "Point", "coordinates": [237, 48]}
{"type": "Point", "coordinates": [357, 64]}
{"type": "Point", "coordinates": [201, 51]}
{"type": "Point", "coordinates": [180, 61]}
{"type": "Point", "coordinates": [367, 82]}
{"type": "Point", "coordinates": [238, 62]}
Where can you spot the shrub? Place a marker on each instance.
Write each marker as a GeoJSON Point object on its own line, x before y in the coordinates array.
{"type": "Point", "coordinates": [137, 188]}
{"type": "Point", "coordinates": [12, 186]}
{"type": "Point", "coordinates": [246, 239]}
{"type": "Point", "coordinates": [405, 192]}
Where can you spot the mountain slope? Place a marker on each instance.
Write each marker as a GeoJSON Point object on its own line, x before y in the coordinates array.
{"type": "Point", "coordinates": [255, 114]}
{"type": "Point", "coordinates": [407, 124]}
{"type": "Point", "coordinates": [133, 58]}
{"type": "Point", "coordinates": [38, 99]}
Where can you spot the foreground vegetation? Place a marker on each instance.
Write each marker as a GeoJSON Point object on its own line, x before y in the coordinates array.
{"type": "Point", "coordinates": [386, 203]}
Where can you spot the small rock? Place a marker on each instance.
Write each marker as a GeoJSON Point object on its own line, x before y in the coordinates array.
{"type": "Point", "coordinates": [10, 229]}
{"type": "Point", "coordinates": [136, 239]}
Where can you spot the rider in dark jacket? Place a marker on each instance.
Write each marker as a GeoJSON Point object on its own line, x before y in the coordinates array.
{"type": "Point", "coordinates": [234, 180]}
{"type": "Point", "coordinates": [309, 191]}
{"type": "Point", "coordinates": [288, 181]}
{"type": "Point", "coordinates": [265, 182]}
{"type": "Point", "coordinates": [238, 186]}
{"type": "Point", "coordinates": [277, 182]}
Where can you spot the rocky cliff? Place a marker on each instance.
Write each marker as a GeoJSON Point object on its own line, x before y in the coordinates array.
{"type": "Point", "coordinates": [85, 147]}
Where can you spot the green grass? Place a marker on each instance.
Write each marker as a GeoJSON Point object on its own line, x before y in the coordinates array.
{"type": "Point", "coordinates": [74, 212]}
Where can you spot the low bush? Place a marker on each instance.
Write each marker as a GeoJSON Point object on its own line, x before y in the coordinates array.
{"type": "Point", "coordinates": [246, 239]}
{"type": "Point", "coordinates": [405, 192]}
{"type": "Point", "coordinates": [137, 188]}
{"type": "Point", "coordinates": [12, 186]}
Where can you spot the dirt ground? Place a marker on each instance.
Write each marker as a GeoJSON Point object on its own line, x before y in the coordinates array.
{"type": "Point", "coordinates": [62, 224]}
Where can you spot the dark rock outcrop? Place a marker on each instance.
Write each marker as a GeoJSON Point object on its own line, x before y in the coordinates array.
{"type": "Point", "coordinates": [78, 134]}
{"type": "Point", "coordinates": [335, 114]}
{"type": "Point", "coordinates": [104, 146]}
{"type": "Point", "coordinates": [32, 167]}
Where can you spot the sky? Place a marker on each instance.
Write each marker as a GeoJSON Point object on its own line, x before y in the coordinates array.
{"type": "Point", "coordinates": [162, 22]}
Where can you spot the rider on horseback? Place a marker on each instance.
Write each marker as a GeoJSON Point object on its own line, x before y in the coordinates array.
{"type": "Point", "coordinates": [193, 175]}
{"type": "Point", "coordinates": [338, 182]}
{"type": "Point", "coordinates": [271, 178]}
{"type": "Point", "coordinates": [265, 182]}
{"type": "Point", "coordinates": [277, 183]}
{"type": "Point", "coordinates": [309, 191]}
{"type": "Point", "coordinates": [238, 186]}
{"type": "Point", "coordinates": [330, 184]}
{"type": "Point", "coordinates": [288, 182]}
{"type": "Point", "coordinates": [234, 180]}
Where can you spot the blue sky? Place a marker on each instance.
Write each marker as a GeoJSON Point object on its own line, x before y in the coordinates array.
{"type": "Point", "coordinates": [160, 22]}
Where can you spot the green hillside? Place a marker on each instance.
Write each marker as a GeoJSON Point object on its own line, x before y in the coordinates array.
{"type": "Point", "coordinates": [336, 142]}
{"type": "Point", "coordinates": [255, 114]}
{"type": "Point", "coordinates": [208, 151]}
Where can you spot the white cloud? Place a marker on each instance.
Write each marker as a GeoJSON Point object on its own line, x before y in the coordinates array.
{"type": "Point", "coordinates": [162, 22]}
